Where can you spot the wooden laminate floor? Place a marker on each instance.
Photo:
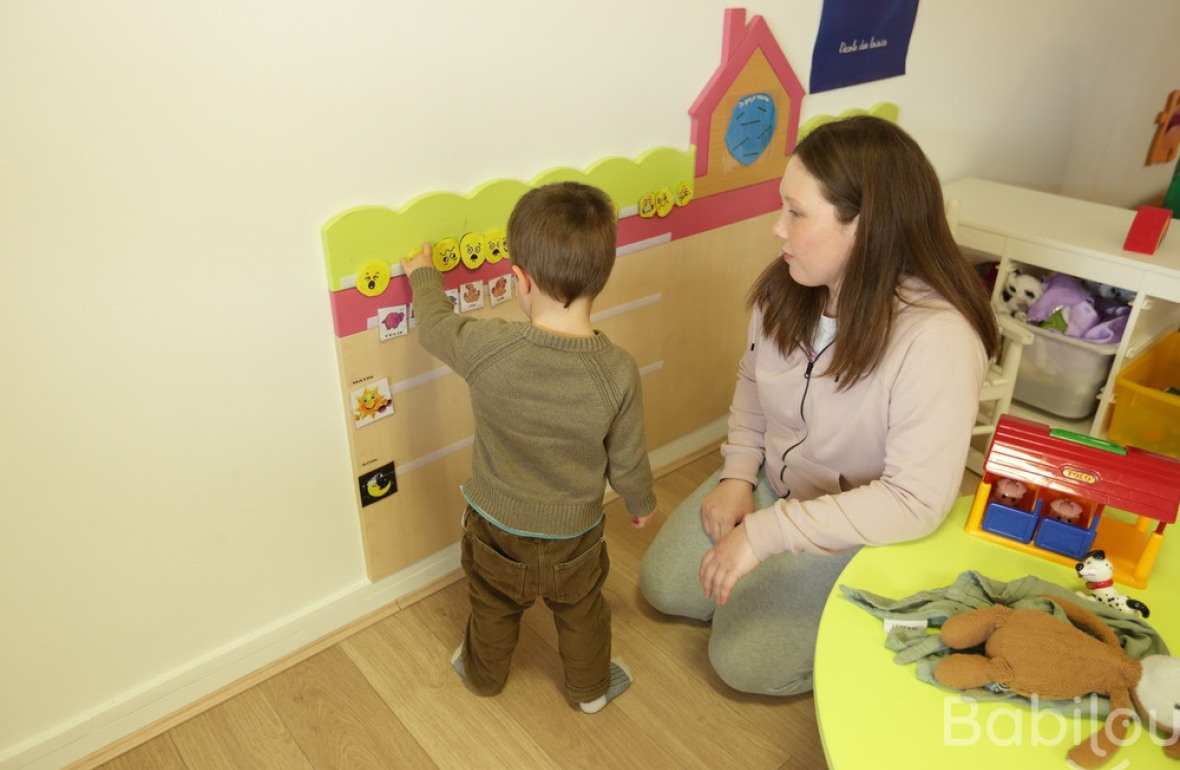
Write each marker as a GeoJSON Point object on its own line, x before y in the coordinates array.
{"type": "Point", "coordinates": [387, 697]}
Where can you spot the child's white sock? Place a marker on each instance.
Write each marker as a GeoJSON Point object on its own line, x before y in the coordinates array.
{"type": "Point", "coordinates": [457, 661]}
{"type": "Point", "coordinates": [620, 680]}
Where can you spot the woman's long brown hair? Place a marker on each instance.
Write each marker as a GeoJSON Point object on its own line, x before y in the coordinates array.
{"type": "Point", "coordinates": [871, 168]}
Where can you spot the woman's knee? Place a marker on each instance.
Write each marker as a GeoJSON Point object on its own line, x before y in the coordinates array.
{"type": "Point", "coordinates": [668, 573]}
{"type": "Point", "coordinates": [753, 669]}
{"type": "Point", "coordinates": [651, 584]}
{"type": "Point", "coordinates": [667, 589]}
{"type": "Point", "coordinates": [656, 586]}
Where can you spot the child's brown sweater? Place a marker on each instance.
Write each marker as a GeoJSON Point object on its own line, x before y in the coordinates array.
{"type": "Point", "coordinates": [555, 417]}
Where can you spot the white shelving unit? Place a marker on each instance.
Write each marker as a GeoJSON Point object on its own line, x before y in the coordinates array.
{"type": "Point", "coordinates": [1027, 228]}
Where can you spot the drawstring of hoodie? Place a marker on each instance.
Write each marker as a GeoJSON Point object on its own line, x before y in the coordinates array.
{"type": "Point", "coordinates": [812, 357]}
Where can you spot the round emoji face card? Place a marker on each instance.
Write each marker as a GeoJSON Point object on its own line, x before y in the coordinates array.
{"type": "Point", "coordinates": [446, 255]}
{"type": "Point", "coordinates": [473, 250]}
{"type": "Point", "coordinates": [497, 241]}
{"type": "Point", "coordinates": [372, 279]}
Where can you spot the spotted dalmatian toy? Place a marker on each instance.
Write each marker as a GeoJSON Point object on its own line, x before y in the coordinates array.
{"type": "Point", "coordinates": [1099, 576]}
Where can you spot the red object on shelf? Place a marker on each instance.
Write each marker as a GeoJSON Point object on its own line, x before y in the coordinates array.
{"type": "Point", "coordinates": [1148, 229]}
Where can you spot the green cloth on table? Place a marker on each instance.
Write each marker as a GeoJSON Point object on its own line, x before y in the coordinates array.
{"type": "Point", "coordinates": [971, 591]}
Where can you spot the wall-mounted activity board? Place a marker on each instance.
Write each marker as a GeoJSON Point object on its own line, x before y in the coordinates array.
{"type": "Point", "coordinates": [693, 234]}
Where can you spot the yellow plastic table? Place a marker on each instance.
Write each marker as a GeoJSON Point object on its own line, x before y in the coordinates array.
{"type": "Point", "coordinates": [874, 713]}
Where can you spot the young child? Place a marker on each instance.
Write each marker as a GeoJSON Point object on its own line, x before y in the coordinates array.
{"type": "Point", "coordinates": [558, 411]}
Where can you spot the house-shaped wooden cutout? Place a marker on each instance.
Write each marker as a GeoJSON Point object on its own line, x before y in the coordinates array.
{"type": "Point", "coordinates": [755, 99]}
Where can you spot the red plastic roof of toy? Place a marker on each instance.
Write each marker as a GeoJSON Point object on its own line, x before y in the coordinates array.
{"type": "Point", "coordinates": [1140, 482]}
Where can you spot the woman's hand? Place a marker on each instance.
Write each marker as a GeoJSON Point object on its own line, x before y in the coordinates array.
{"type": "Point", "coordinates": [724, 507]}
{"type": "Point", "coordinates": [419, 259]}
{"type": "Point", "coordinates": [726, 563]}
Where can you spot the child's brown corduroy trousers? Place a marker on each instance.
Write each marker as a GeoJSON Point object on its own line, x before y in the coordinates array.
{"type": "Point", "coordinates": [506, 573]}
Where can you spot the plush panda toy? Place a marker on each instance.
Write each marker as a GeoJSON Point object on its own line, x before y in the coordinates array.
{"type": "Point", "coordinates": [1020, 290]}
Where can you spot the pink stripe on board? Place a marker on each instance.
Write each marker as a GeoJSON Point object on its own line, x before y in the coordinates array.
{"type": "Point", "coordinates": [352, 310]}
{"type": "Point", "coordinates": [703, 214]}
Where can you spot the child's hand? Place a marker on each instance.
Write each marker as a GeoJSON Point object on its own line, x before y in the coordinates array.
{"type": "Point", "coordinates": [419, 259]}
{"type": "Point", "coordinates": [639, 522]}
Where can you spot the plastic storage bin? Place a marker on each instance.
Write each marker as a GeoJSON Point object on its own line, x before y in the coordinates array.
{"type": "Point", "coordinates": [1011, 522]}
{"type": "Point", "coordinates": [1145, 414]}
{"type": "Point", "coordinates": [1065, 539]}
{"type": "Point", "coordinates": [1062, 375]}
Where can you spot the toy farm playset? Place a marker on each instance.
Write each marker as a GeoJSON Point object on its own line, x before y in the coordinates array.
{"type": "Point", "coordinates": [1060, 495]}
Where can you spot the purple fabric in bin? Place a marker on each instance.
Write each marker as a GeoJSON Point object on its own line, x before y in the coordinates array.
{"type": "Point", "coordinates": [1088, 317]}
{"type": "Point", "coordinates": [1107, 331]}
{"type": "Point", "coordinates": [1059, 291]}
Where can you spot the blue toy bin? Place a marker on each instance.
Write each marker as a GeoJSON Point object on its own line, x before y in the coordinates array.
{"type": "Point", "coordinates": [1011, 522]}
{"type": "Point", "coordinates": [1066, 539]}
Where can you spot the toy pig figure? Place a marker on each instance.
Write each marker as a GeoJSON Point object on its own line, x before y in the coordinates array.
{"type": "Point", "coordinates": [1009, 491]}
{"type": "Point", "coordinates": [1066, 510]}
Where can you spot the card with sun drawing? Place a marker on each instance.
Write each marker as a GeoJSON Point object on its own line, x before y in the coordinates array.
{"type": "Point", "coordinates": [371, 403]}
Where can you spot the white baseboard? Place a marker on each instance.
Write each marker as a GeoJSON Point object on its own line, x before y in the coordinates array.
{"type": "Point", "coordinates": [181, 688]}
{"type": "Point", "coordinates": [177, 690]}
{"type": "Point", "coordinates": [705, 436]}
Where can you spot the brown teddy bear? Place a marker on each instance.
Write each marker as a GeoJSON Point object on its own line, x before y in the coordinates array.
{"type": "Point", "coordinates": [1035, 653]}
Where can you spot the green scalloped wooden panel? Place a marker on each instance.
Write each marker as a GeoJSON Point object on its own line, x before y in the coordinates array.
{"type": "Point", "coordinates": [884, 110]}
{"type": "Point", "coordinates": [368, 233]}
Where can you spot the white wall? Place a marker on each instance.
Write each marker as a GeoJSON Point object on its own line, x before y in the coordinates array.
{"type": "Point", "coordinates": [1116, 121]}
{"type": "Point", "coordinates": [177, 506]}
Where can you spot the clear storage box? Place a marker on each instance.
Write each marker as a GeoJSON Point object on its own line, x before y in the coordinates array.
{"type": "Point", "coordinates": [1063, 375]}
{"type": "Point", "coordinates": [1145, 414]}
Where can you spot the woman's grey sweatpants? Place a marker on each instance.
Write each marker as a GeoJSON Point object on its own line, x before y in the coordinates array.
{"type": "Point", "coordinates": [763, 638]}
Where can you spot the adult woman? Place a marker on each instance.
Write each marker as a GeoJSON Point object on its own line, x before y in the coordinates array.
{"type": "Point", "coordinates": [853, 409]}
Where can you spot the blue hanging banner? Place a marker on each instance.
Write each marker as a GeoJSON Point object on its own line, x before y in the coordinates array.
{"type": "Point", "coordinates": [860, 41]}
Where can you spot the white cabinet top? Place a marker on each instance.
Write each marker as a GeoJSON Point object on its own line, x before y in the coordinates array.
{"type": "Point", "coordinates": [1072, 224]}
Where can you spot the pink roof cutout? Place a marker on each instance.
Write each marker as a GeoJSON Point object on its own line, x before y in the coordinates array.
{"type": "Point", "coordinates": [739, 42]}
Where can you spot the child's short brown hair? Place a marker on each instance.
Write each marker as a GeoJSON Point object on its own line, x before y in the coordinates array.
{"type": "Point", "coordinates": [564, 236]}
